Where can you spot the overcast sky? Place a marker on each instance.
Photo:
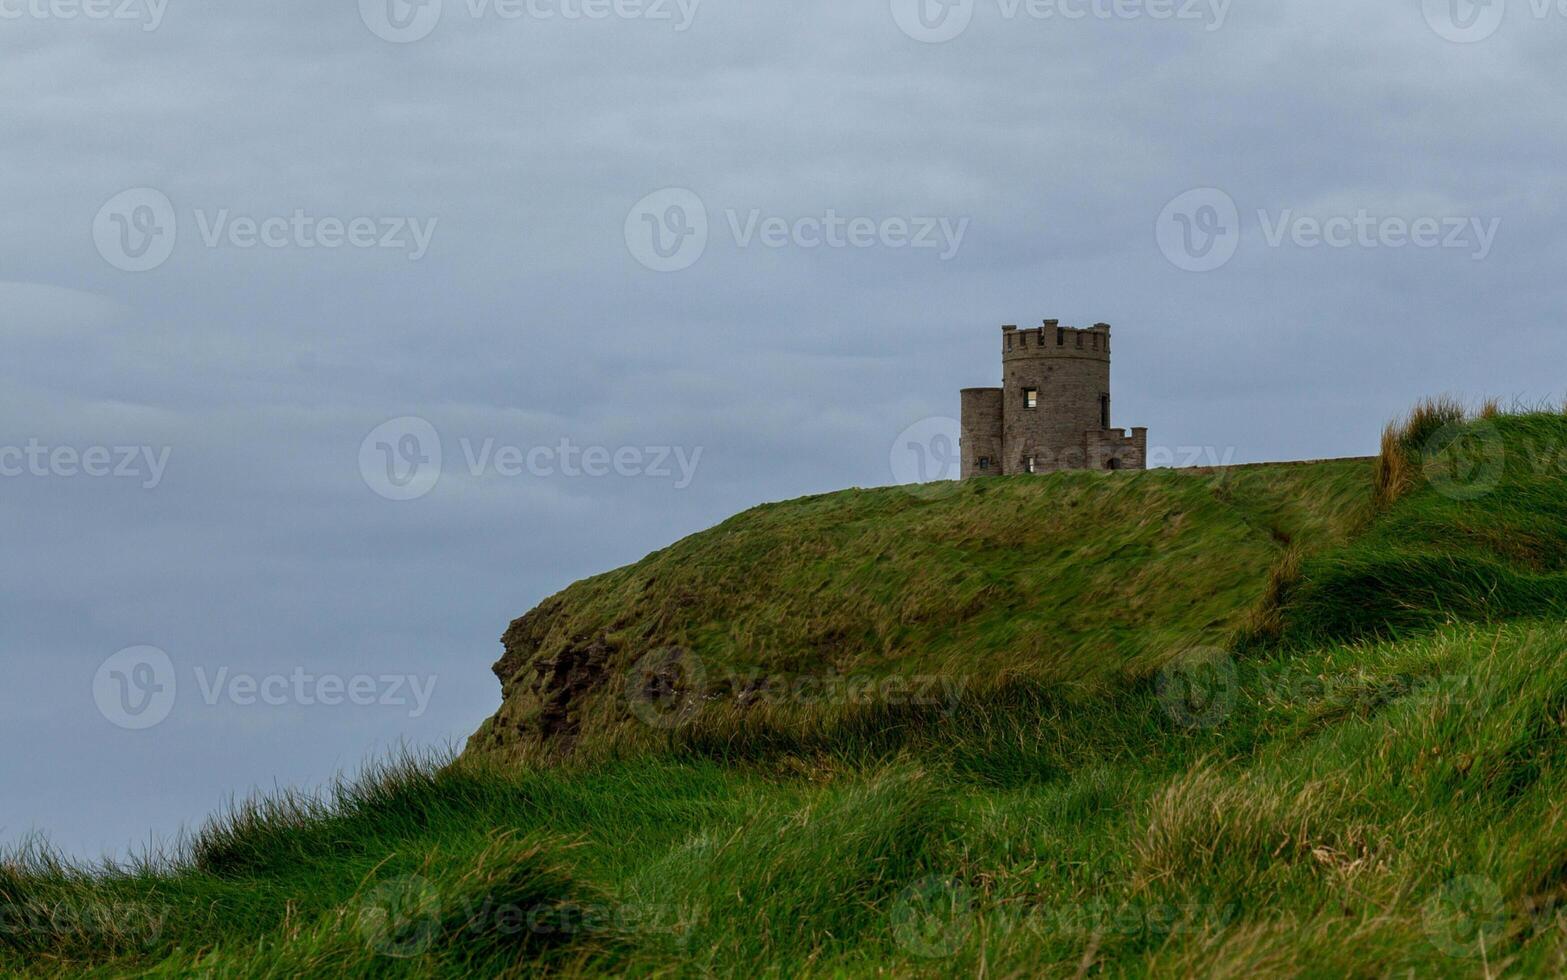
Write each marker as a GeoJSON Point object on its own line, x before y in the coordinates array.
{"type": "Point", "coordinates": [262, 264]}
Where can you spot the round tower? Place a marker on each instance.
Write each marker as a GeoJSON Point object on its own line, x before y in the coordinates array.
{"type": "Point", "coordinates": [982, 439]}
{"type": "Point", "coordinates": [1055, 392]}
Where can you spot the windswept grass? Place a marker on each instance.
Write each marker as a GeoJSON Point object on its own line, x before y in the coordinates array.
{"type": "Point", "coordinates": [1374, 787]}
{"type": "Point", "coordinates": [1363, 809]}
{"type": "Point", "coordinates": [1077, 579]}
{"type": "Point", "coordinates": [1481, 533]}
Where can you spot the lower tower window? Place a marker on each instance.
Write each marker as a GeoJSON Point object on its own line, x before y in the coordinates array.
{"type": "Point", "coordinates": [1028, 464]}
{"type": "Point", "coordinates": [1030, 397]}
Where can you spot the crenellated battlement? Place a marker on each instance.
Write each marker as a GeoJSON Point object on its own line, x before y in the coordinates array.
{"type": "Point", "coordinates": [1052, 339]}
{"type": "Point", "coordinates": [1121, 437]}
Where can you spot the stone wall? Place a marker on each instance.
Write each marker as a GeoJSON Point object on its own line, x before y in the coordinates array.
{"type": "Point", "coordinates": [1113, 449]}
{"type": "Point", "coordinates": [1053, 407]}
{"type": "Point", "coordinates": [981, 421]}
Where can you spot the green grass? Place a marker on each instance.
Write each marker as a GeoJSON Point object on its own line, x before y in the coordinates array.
{"type": "Point", "coordinates": [1360, 771]}
{"type": "Point", "coordinates": [1078, 579]}
{"type": "Point", "coordinates": [1442, 554]}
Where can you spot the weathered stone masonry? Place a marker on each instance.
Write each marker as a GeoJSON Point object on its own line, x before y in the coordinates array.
{"type": "Point", "coordinates": [1053, 409]}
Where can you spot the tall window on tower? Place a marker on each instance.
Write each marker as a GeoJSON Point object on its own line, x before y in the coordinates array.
{"type": "Point", "coordinates": [1104, 411]}
{"type": "Point", "coordinates": [1030, 398]}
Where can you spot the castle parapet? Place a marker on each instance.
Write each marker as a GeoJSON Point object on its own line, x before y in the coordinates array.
{"type": "Point", "coordinates": [1115, 449]}
{"type": "Point", "coordinates": [1054, 340]}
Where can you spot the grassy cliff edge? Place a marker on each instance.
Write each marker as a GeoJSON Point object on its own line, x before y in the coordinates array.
{"type": "Point", "coordinates": [1076, 579]}
{"type": "Point", "coordinates": [1298, 719]}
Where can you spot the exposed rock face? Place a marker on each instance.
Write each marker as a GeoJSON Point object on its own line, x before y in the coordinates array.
{"type": "Point", "coordinates": [543, 691]}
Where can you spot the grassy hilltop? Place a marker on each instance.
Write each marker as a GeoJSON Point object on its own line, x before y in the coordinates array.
{"type": "Point", "coordinates": [1302, 718]}
{"type": "Point", "coordinates": [1078, 580]}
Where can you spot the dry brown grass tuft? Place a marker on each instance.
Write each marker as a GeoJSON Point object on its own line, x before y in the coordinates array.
{"type": "Point", "coordinates": [1266, 620]}
{"type": "Point", "coordinates": [1395, 470]}
{"type": "Point", "coordinates": [1429, 417]}
{"type": "Point", "coordinates": [1404, 439]}
{"type": "Point", "coordinates": [1215, 815]}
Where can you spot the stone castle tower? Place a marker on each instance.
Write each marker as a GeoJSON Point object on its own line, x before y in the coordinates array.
{"type": "Point", "coordinates": [1053, 411]}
